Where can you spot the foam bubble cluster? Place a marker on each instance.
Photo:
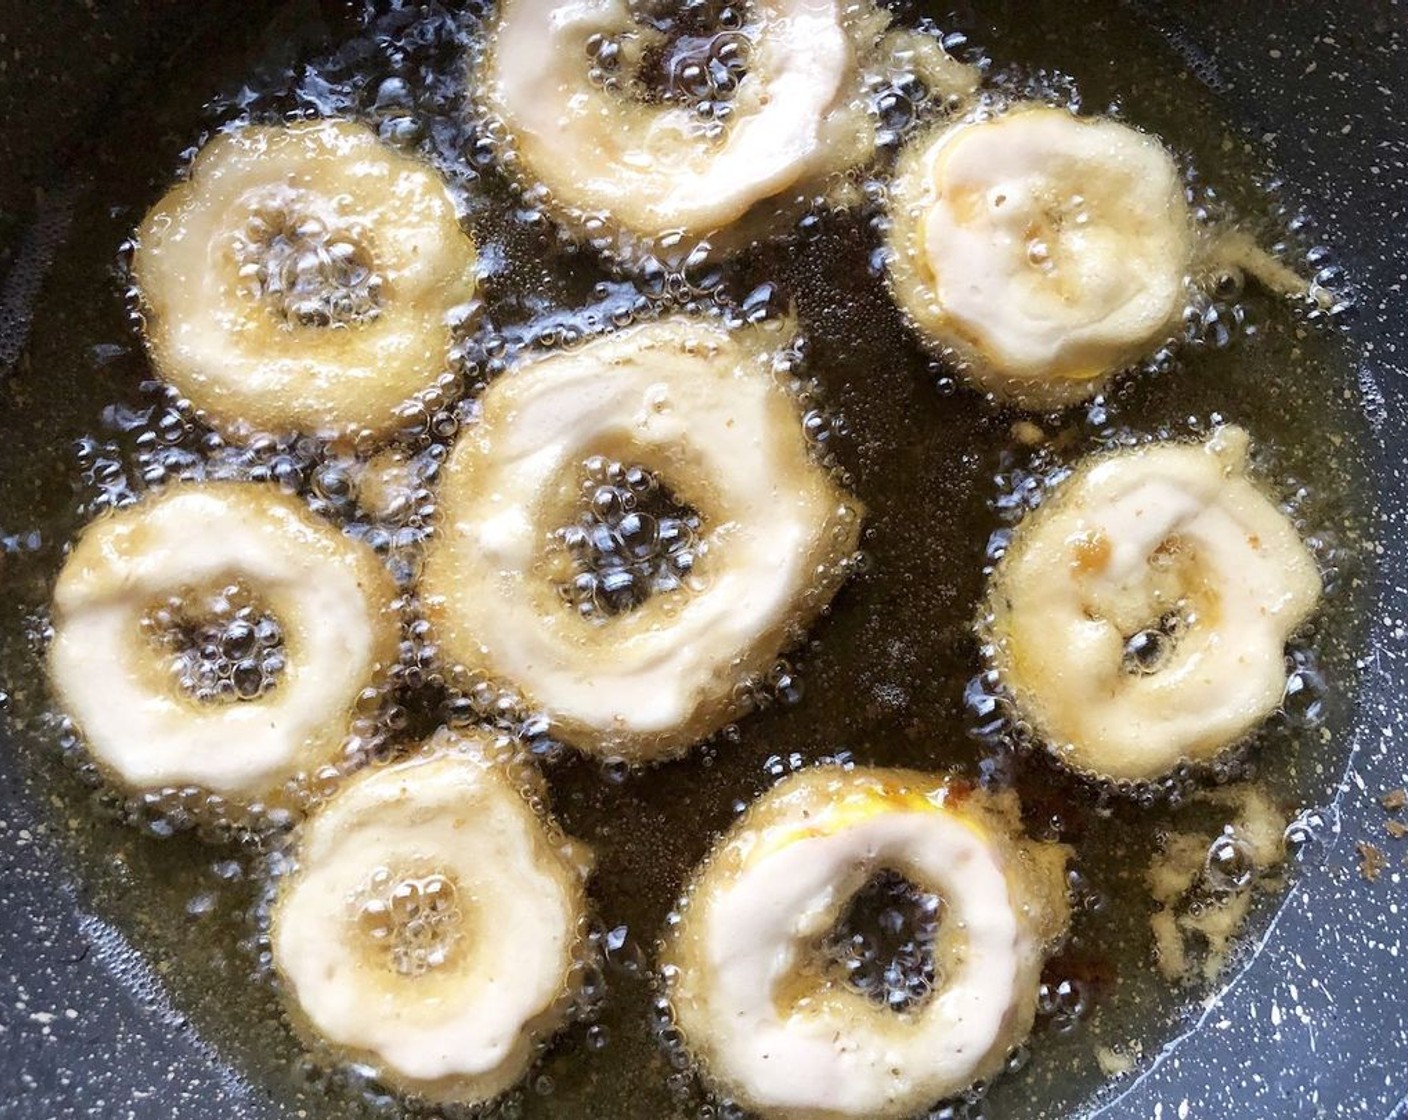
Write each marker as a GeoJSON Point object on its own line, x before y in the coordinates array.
{"type": "Point", "coordinates": [632, 540]}
{"type": "Point", "coordinates": [310, 275]}
{"type": "Point", "coordinates": [884, 944]}
{"type": "Point", "coordinates": [226, 648]}
{"type": "Point", "coordinates": [416, 919]}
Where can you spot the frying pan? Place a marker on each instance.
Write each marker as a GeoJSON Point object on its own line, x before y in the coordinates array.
{"type": "Point", "coordinates": [1315, 1023]}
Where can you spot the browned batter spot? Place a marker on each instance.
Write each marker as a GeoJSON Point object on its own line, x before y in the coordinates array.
{"type": "Point", "coordinates": [1371, 860]}
{"type": "Point", "coordinates": [1091, 552]}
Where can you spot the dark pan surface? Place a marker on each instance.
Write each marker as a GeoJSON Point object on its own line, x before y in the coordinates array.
{"type": "Point", "coordinates": [1317, 1023]}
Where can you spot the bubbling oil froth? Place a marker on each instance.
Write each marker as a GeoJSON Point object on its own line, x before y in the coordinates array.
{"type": "Point", "coordinates": [223, 649]}
{"type": "Point", "coordinates": [416, 920]}
{"type": "Point", "coordinates": [883, 946]}
{"type": "Point", "coordinates": [309, 275]}
{"type": "Point", "coordinates": [632, 541]}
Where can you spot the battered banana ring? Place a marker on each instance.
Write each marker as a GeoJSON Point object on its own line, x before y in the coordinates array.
{"type": "Point", "coordinates": [432, 926]}
{"type": "Point", "coordinates": [304, 278]}
{"type": "Point", "coordinates": [1139, 618]}
{"type": "Point", "coordinates": [767, 1024]}
{"type": "Point", "coordinates": [699, 405]}
{"type": "Point", "coordinates": [139, 577]}
{"type": "Point", "coordinates": [1046, 251]}
{"type": "Point", "coordinates": [798, 117]}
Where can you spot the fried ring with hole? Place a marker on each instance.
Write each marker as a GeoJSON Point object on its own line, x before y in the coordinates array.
{"type": "Point", "coordinates": [702, 407]}
{"type": "Point", "coordinates": [1045, 250]}
{"type": "Point", "coordinates": [435, 923]}
{"type": "Point", "coordinates": [1139, 617]}
{"type": "Point", "coordinates": [767, 1023]}
{"type": "Point", "coordinates": [798, 118]}
{"type": "Point", "coordinates": [303, 278]}
{"type": "Point", "coordinates": [331, 596]}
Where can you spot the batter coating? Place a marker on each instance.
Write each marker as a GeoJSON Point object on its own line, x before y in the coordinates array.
{"type": "Point", "coordinates": [1140, 616]}
{"type": "Point", "coordinates": [798, 117]}
{"type": "Point", "coordinates": [1045, 250]}
{"type": "Point", "coordinates": [330, 595]}
{"type": "Point", "coordinates": [304, 278]}
{"type": "Point", "coordinates": [700, 406]}
{"type": "Point", "coordinates": [432, 924]}
{"type": "Point", "coordinates": [773, 1031]}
